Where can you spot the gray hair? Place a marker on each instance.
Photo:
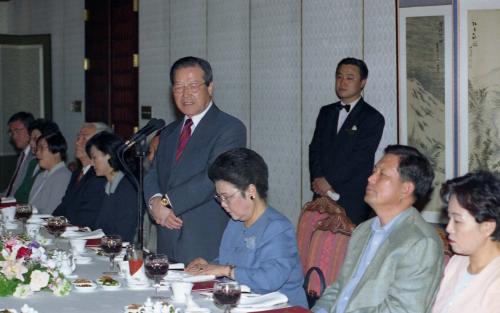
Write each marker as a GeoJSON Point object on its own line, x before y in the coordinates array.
{"type": "Point", "coordinates": [98, 126]}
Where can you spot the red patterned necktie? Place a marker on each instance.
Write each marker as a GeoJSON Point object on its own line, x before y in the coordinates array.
{"type": "Point", "coordinates": [16, 172]}
{"type": "Point", "coordinates": [184, 138]}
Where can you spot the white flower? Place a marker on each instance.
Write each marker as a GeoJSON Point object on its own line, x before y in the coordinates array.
{"type": "Point", "coordinates": [39, 280]}
{"type": "Point", "coordinates": [354, 128]}
{"type": "Point", "coordinates": [22, 291]}
{"type": "Point", "coordinates": [62, 288]}
{"type": "Point", "coordinates": [13, 268]}
{"type": "Point", "coordinates": [27, 309]}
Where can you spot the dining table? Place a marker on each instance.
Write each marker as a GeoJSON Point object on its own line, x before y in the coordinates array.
{"type": "Point", "coordinates": [100, 299]}
{"type": "Point", "coordinates": [103, 299]}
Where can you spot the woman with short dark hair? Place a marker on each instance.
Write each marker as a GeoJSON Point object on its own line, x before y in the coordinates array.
{"type": "Point", "coordinates": [471, 280]}
{"type": "Point", "coordinates": [258, 248]}
{"type": "Point", "coordinates": [118, 213]}
{"type": "Point", "coordinates": [50, 185]}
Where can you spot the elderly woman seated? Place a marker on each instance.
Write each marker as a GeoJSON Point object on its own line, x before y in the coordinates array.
{"type": "Point", "coordinates": [471, 280]}
{"type": "Point", "coordinates": [258, 247]}
{"type": "Point", "coordinates": [50, 185]}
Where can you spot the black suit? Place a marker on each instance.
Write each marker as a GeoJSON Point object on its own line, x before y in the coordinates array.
{"type": "Point", "coordinates": [346, 158]}
{"type": "Point", "coordinates": [82, 201]}
{"type": "Point", "coordinates": [118, 211]}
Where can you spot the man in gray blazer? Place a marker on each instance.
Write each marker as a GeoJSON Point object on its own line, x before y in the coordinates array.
{"type": "Point", "coordinates": [394, 261]}
{"type": "Point", "coordinates": [177, 187]}
{"type": "Point", "coordinates": [20, 138]}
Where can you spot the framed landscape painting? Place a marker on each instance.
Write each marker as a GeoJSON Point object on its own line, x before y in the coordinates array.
{"type": "Point", "coordinates": [425, 92]}
{"type": "Point", "coordinates": [479, 85]}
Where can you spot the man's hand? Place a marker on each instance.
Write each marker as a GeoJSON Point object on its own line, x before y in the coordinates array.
{"type": "Point", "coordinates": [320, 186]}
{"type": "Point", "coordinates": [163, 215]}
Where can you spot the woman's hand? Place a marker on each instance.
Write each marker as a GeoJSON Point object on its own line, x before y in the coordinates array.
{"type": "Point", "coordinates": [196, 266]}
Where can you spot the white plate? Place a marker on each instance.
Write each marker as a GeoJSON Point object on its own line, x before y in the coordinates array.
{"type": "Point", "coordinates": [104, 287]}
{"type": "Point", "coordinates": [86, 288]}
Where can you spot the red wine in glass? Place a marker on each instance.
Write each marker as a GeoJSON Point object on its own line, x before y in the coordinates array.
{"type": "Point", "coordinates": [23, 212]}
{"type": "Point", "coordinates": [227, 294]}
{"type": "Point", "coordinates": [111, 245]}
{"type": "Point", "coordinates": [56, 226]}
{"type": "Point", "coordinates": [156, 266]}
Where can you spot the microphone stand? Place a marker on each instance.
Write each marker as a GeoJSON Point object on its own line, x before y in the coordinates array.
{"type": "Point", "coordinates": [140, 153]}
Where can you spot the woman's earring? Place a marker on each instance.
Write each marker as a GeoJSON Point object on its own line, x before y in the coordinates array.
{"type": "Point", "coordinates": [252, 197]}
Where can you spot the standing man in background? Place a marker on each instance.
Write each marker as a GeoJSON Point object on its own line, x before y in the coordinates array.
{"type": "Point", "coordinates": [347, 134]}
{"type": "Point", "coordinates": [20, 138]}
{"type": "Point", "coordinates": [177, 187]}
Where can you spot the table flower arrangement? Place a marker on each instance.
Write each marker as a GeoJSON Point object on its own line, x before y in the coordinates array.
{"type": "Point", "coordinates": [25, 268]}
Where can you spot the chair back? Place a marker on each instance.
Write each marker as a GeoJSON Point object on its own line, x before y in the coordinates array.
{"type": "Point", "coordinates": [323, 235]}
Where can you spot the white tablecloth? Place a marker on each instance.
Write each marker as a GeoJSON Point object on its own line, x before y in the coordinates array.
{"type": "Point", "coordinates": [97, 301]}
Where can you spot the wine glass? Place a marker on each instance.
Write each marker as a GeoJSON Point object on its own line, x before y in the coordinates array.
{"type": "Point", "coordinates": [56, 226]}
{"type": "Point", "coordinates": [23, 212]}
{"type": "Point", "coordinates": [111, 245]}
{"type": "Point", "coordinates": [227, 293]}
{"type": "Point", "coordinates": [157, 267]}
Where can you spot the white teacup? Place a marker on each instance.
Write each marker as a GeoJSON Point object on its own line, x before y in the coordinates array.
{"type": "Point", "coordinates": [78, 245]}
{"type": "Point", "coordinates": [180, 290]}
{"type": "Point", "coordinates": [8, 214]}
{"type": "Point", "coordinates": [32, 230]}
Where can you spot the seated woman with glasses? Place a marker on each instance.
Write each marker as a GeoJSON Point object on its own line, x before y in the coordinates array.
{"type": "Point", "coordinates": [118, 212]}
{"type": "Point", "coordinates": [471, 280]}
{"type": "Point", "coordinates": [258, 248]}
{"type": "Point", "coordinates": [50, 185]}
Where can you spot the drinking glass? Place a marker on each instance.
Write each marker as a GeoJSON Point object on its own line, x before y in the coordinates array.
{"type": "Point", "coordinates": [227, 293]}
{"type": "Point", "coordinates": [56, 226]}
{"type": "Point", "coordinates": [135, 260]}
{"type": "Point", "coordinates": [157, 267]}
{"type": "Point", "coordinates": [111, 245]}
{"type": "Point", "coordinates": [23, 212]}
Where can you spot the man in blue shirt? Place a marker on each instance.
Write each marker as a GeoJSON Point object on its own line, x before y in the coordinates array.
{"type": "Point", "coordinates": [395, 260]}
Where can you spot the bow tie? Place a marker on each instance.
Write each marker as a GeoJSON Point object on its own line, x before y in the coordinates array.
{"type": "Point", "coordinates": [346, 107]}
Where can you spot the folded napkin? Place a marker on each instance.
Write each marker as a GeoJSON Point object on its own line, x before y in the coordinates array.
{"type": "Point", "coordinates": [176, 266]}
{"type": "Point", "coordinates": [262, 301]}
{"type": "Point", "coordinates": [96, 234]}
{"type": "Point", "coordinates": [198, 278]}
{"type": "Point", "coordinates": [288, 309]}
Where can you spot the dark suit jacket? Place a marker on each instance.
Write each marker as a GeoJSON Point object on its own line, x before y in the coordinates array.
{"type": "Point", "coordinates": [187, 184]}
{"type": "Point", "coordinates": [82, 201]}
{"type": "Point", "coordinates": [346, 159]}
{"type": "Point", "coordinates": [118, 211]}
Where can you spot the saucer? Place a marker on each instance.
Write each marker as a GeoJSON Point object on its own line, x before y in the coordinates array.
{"type": "Point", "coordinates": [80, 260]}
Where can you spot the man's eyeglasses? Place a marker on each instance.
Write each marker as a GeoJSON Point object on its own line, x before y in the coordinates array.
{"type": "Point", "coordinates": [192, 87]}
{"type": "Point", "coordinates": [221, 198]}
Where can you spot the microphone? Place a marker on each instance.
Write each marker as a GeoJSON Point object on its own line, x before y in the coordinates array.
{"type": "Point", "coordinates": [153, 125]}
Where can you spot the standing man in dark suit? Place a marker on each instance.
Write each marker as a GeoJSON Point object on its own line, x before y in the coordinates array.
{"type": "Point", "coordinates": [177, 187]}
{"type": "Point", "coordinates": [347, 134]}
{"type": "Point", "coordinates": [85, 192]}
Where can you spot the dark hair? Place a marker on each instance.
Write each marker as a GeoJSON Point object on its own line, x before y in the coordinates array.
{"type": "Point", "coordinates": [56, 143]}
{"type": "Point", "coordinates": [363, 69]}
{"type": "Point", "coordinates": [478, 193]}
{"type": "Point", "coordinates": [24, 117]}
{"type": "Point", "coordinates": [107, 143]}
{"type": "Point", "coordinates": [45, 127]}
{"type": "Point", "coordinates": [192, 62]}
{"type": "Point", "coordinates": [241, 167]}
{"type": "Point", "coordinates": [414, 167]}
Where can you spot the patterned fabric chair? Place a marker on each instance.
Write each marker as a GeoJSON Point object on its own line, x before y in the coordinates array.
{"type": "Point", "coordinates": [323, 234]}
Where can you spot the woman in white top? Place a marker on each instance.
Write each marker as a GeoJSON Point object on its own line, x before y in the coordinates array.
{"type": "Point", "coordinates": [471, 282]}
{"type": "Point", "coordinates": [49, 187]}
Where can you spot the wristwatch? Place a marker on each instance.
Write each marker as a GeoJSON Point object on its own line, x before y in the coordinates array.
{"type": "Point", "coordinates": [165, 202]}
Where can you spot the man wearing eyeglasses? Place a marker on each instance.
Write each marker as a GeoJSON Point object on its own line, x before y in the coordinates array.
{"type": "Point", "coordinates": [347, 134]}
{"type": "Point", "coordinates": [20, 138]}
{"type": "Point", "coordinates": [177, 187]}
